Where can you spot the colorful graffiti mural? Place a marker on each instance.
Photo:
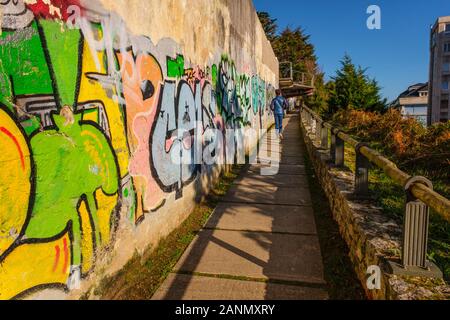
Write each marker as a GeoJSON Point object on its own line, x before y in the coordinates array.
{"type": "Point", "coordinates": [90, 121]}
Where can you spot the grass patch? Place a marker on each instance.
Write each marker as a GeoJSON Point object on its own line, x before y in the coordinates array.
{"type": "Point", "coordinates": [139, 280]}
{"type": "Point", "coordinates": [342, 281]}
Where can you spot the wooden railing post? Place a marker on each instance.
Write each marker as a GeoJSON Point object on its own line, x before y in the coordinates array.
{"type": "Point", "coordinates": [420, 196]}
{"type": "Point", "coordinates": [324, 136]}
{"type": "Point", "coordinates": [319, 124]}
{"type": "Point", "coordinates": [415, 227]}
{"type": "Point", "coordinates": [361, 172]}
{"type": "Point", "coordinates": [415, 236]}
{"type": "Point", "coordinates": [337, 148]}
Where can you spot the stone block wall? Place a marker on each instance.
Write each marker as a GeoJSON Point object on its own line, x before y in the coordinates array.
{"type": "Point", "coordinates": [372, 238]}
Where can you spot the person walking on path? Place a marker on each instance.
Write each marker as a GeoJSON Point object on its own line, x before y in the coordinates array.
{"type": "Point", "coordinates": [278, 107]}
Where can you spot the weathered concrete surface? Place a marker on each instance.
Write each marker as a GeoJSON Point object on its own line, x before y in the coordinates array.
{"type": "Point", "coordinates": [287, 151]}
{"type": "Point", "coordinates": [269, 195]}
{"type": "Point", "coordinates": [291, 160]}
{"type": "Point", "coordinates": [283, 169]}
{"type": "Point", "coordinates": [186, 287]}
{"type": "Point", "coordinates": [262, 232]}
{"type": "Point", "coordinates": [280, 180]}
{"type": "Point", "coordinates": [199, 26]}
{"type": "Point", "coordinates": [255, 255]}
{"type": "Point", "coordinates": [263, 218]}
{"type": "Point", "coordinates": [90, 92]}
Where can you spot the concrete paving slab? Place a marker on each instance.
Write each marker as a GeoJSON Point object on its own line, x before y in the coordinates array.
{"type": "Point", "coordinates": [269, 195]}
{"type": "Point", "coordinates": [281, 147]}
{"type": "Point", "coordinates": [186, 287]}
{"type": "Point", "coordinates": [279, 180]}
{"type": "Point", "coordinates": [295, 169]}
{"type": "Point", "coordinates": [255, 255]}
{"type": "Point", "coordinates": [284, 160]}
{"type": "Point", "coordinates": [281, 153]}
{"type": "Point", "coordinates": [263, 218]}
{"type": "Point", "coordinates": [263, 229]}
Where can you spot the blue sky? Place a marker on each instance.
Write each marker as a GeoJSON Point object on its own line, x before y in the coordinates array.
{"type": "Point", "coordinates": [397, 55]}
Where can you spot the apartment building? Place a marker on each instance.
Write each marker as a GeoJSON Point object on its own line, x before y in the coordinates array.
{"type": "Point", "coordinates": [413, 103]}
{"type": "Point", "coordinates": [439, 107]}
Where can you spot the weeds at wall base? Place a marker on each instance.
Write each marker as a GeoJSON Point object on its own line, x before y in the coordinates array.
{"type": "Point", "coordinates": [140, 278]}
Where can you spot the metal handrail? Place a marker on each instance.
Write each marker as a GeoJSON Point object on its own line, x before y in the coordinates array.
{"type": "Point", "coordinates": [288, 74]}
{"type": "Point", "coordinates": [286, 71]}
{"type": "Point", "coordinates": [419, 192]}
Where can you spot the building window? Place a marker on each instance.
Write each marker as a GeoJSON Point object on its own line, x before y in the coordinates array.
{"type": "Point", "coordinates": [447, 47]}
{"type": "Point", "coordinates": [446, 67]}
{"type": "Point", "coordinates": [444, 85]}
{"type": "Point", "coordinates": [447, 28]}
{"type": "Point", "coordinates": [444, 104]}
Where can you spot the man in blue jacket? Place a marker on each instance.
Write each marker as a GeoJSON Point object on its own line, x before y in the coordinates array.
{"type": "Point", "coordinates": [278, 106]}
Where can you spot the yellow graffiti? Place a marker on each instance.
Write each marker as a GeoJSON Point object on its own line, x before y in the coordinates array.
{"type": "Point", "coordinates": [106, 204]}
{"type": "Point", "coordinates": [15, 174]}
{"type": "Point", "coordinates": [45, 264]}
{"type": "Point", "coordinates": [87, 240]}
{"type": "Point", "coordinates": [92, 90]}
{"type": "Point", "coordinates": [91, 116]}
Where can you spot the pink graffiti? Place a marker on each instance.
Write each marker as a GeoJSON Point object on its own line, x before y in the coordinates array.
{"type": "Point", "coordinates": [142, 78]}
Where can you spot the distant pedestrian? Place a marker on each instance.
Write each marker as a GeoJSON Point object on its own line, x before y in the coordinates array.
{"type": "Point", "coordinates": [278, 107]}
{"type": "Point", "coordinates": [291, 103]}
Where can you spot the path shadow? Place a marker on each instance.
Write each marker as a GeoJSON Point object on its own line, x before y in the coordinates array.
{"type": "Point", "coordinates": [291, 274]}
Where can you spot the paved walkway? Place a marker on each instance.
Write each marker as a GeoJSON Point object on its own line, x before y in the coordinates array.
{"type": "Point", "coordinates": [261, 241]}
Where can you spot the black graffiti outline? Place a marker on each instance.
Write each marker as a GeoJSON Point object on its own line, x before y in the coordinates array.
{"type": "Point", "coordinates": [32, 186]}
{"type": "Point", "coordinates": [135, 54]}
{"type": "Point", "coordinates": [20, 241]}
{"type": "Point", "coordinates": [64, 287]}
{"type": "Point", "coordinates": [8, 29]}
{"type": "Point", "coordinates": [197, 168]}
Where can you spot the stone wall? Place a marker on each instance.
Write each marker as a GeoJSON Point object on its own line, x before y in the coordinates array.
{"type": "Point", "coordinates": [372, 238]}
{"type": "Point", "coordinates": [97, 98]}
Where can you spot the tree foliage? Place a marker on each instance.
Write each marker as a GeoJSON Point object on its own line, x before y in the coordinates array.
{"type": "Point", "coordinates": [350, 89]}
{"type": "Point", "coordinates": [354, 90]}
{"type": "Point", "coordinates": [291, 45]}
{"type": "Point", "coordinates": [318, 101]}
{"type": "Point", "coordinates": [269, 25]}
{"type": "Point", "coordinates": [405, 140]}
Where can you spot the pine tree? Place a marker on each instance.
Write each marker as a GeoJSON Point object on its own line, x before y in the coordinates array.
{"type": "Point", "coordinates": [318, 101]}
{"type": "Point", "coordinates": [292, 45]}
{"type": "Point", "coordinates": [269, 25]}
{"type": "Point", "coordinates": [353, 89]}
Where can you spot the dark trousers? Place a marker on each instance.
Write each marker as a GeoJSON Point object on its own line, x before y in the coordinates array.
{"type": "Point", "coordinates": [279, 123]}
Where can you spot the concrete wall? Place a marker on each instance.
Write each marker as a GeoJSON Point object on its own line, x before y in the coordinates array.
{"type": "Point", "coordinates": [96, 97]}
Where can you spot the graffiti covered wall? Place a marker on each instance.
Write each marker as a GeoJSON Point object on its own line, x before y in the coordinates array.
{"type": "Point", "coordinates": [96, 100]}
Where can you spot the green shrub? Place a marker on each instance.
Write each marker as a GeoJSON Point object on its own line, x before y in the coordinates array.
{"type": "Point", "coordinates": [413, 147]}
